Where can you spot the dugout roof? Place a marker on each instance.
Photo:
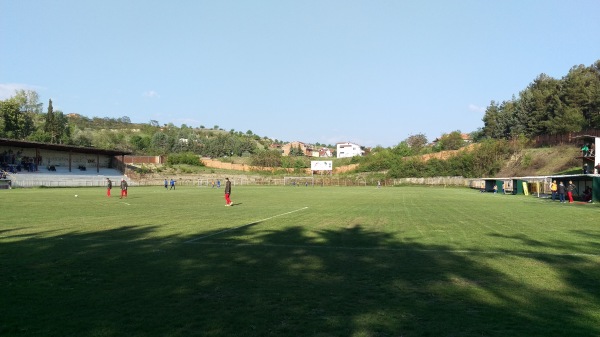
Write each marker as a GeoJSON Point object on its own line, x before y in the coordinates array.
{"type": "Point", "coordinates": [60, 147]}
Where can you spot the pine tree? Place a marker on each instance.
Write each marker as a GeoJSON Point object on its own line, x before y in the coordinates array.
{"type": "Point", "coordinates": [48, 126]}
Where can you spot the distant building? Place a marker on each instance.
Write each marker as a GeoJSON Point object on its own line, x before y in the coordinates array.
{"type": "Point", "coordinates": [287, 148]}
{"type": "Point", "coordinates": [275, 147]}
{"type": "Point", "coordinates": [325, 153]}
{"type": "Point", "coordinates": [348, 150]}
{"type": "Point", "coordinates": [308, 150]}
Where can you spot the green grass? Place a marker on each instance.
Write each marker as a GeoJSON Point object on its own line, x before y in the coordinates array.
{"type": "Point", "coordinates": [285, 261]}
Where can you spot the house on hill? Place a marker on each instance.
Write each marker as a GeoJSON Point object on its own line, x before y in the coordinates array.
{"type": "Point", "coordinates": [325, 153]}
{"type": "Point", "coordinates": [348, 150]}
{"type": "Point", "coordinates": [294, 146]}
{"type": "Point", "coordinates": [307, 150]}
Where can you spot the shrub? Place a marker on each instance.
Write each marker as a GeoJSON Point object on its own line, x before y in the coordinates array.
{"type": "Point", "coordinates": [269, 158]}
{"type": "Point", "coordinates": [485, 160]}
{"type": "Point", "coordinates": [184, 158]}
{"type": "Point", "coordinates": [144, 169]}
{"type": "Point", "coordinates": [527, 160]}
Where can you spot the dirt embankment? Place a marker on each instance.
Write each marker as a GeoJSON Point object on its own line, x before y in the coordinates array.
{"type": "Point", "coordinates": [443, 155]}
{"type": "Point", "coordinates": [543, 161]}
{"type": "Point", "coordinates": [249, 168]}
{"type": "Point", "coordinates": [528, 162]}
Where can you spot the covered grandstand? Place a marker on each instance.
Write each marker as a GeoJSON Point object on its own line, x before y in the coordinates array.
{"type": "Point", "coordinates": [31, 164]}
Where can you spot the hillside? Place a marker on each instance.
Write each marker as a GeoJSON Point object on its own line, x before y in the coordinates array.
{"type": "Point", "coordinates": [542, 161]}
{"type": "Point", "coordinates": [527, 162]}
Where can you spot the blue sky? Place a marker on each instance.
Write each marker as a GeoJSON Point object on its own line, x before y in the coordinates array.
{"type": "Point", "coordinates": [371, 72]}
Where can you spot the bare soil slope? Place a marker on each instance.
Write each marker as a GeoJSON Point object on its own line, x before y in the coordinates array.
{"type": "Point", "coordinates": [543, 161]}
{"type": "Point", "coordinates": [531, 161]}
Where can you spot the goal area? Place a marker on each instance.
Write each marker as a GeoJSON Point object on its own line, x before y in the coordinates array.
{"type": "Point", "coordinates": [298, 181]}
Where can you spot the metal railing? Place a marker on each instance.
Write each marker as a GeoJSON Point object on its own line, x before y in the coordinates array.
{"type": "Point", "coordinates": [65, 182]}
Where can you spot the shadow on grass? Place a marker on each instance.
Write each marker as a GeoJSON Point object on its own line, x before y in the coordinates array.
{"type": "Point", "coordinates": [287, 282]}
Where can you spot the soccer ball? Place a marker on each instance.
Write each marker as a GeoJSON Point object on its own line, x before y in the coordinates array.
{"type": "Point", "coordinates": [75, 195]}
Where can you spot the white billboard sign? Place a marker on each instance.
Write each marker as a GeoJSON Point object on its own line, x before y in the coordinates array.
{"type": "Point", "coordinates": [321, 165]}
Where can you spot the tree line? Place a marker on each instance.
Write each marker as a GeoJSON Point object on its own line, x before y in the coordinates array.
{"type": "Point", "coordinates": [548, 106]}
{"type": "Point", "coordinates": [22, 117]}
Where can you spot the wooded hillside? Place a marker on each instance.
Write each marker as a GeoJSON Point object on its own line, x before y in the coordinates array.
{"type": "Point", "coordinates": [547, 106]}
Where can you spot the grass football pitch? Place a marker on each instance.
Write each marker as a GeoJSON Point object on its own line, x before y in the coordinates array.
{"type": "Point", "coordinates": [296, 261]}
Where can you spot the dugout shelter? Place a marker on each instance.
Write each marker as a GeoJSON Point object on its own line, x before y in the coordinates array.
{"type": "Point", "coordinates": [514, 185]}
{"type": "Point", "coordinates": [589, 169]}
{"type": "Point", "coordinates": [502, 185]}
{"type": "Point", "coordinates": [581, 181]}
{"type": "Point", "coordinates": [519, 186]}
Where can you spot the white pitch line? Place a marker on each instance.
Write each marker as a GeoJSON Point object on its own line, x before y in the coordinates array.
{"type": "Point", "coordinates": [246, 225]}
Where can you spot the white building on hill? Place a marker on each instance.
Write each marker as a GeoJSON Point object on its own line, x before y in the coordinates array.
{"type": "Point", "coordinates": [348, 150]}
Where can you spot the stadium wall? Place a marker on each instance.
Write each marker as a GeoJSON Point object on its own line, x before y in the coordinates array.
{"type": "Point", "coordinates": [237, 167]}
{"type": "Point", "coordinates": [248, 168]}
{"type": "Point", "coordinates": [157, 160]}
{"type": "Point", "coordinates": [144, 159]}
{"type": "Point", "coordinates": [434, 181]}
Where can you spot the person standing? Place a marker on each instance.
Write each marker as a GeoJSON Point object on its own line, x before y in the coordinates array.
{"type": "Point", "coordinates": [584, 150]}
{"type": "Point", "coordinates": [166, 184]}
{"type": "Point", "coordinates": [123, 188]}
{"type": "Point", "coordinates": [570, 188]}
{"type": "Point", "coordinates": [554, 189]}
{"type": "Point", "coordinates": [561, 192]}
{"type": "Point", "coordinates": [108, 186]}
{"type": "Point", "coordinates": [587, 194]}
{"type": "Point", "coordinates": [227, 192]}
{"type": "Point", "coordinates": [172, 184]}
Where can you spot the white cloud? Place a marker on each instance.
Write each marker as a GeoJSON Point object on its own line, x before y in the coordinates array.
{"type": "Point", "coordinates": [476, 108]}
{"type": "Point", "coordinates": [8, 90]}
{"type": "Point", "coordinates": [150, 94]}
